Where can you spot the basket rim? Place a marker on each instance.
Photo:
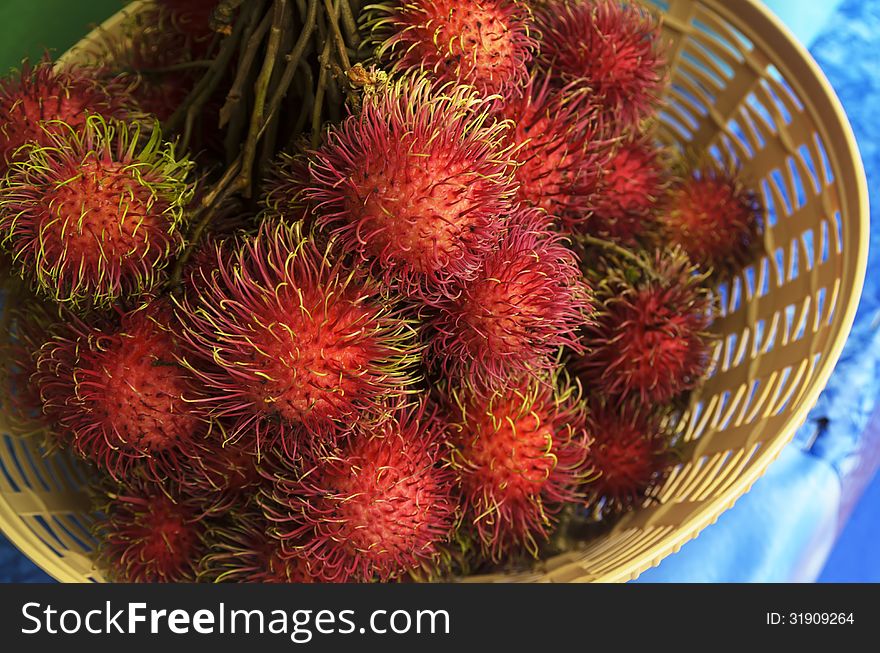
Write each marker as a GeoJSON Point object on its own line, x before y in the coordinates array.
{"type": "Point", "coordinates": [792, 53]}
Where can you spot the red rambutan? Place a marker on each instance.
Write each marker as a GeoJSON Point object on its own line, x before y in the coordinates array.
{"type": "Point", "coordinates": [560, 150]}
{"type": "Point", "coordinates": [487, 44]}
{"type": "Point", "coordinates": [715, 218]}
{"type": "Point", "coordinates": [149, 536]}
{"type": "Point", "coordinates": [42, 101]}
{"type": "Point", "coordinates": [649, 339]}
{"type": "Point", "coordinates": [283, 337]}
{"type": "Point", "coordinates": [284, 190]}
{"type": "Point", "coordinates": [224, 471]}
{"type": "Point", "coordinates": [610, 49]}
{"type": "Point", "coordinates": [629, 456]}
{"type": "Point", "coordinates": [380, 507]}
{"type": "Point", "coordinates": [191, 17]}
{"type": "Point", "coordinates": [633, 185]}
{"type": "Point", "coordinates": [418, 183]}
{"type": "Point", "coordinates": [242, 551]}
{"type": "Point", "coordinates": [520, 456]}
{"type": "Point", "coordinates": [95, 215]}
{"type": "Point", "coordinates": [119, 393]}
{"type": "Point", "coordinates": [528, 300]}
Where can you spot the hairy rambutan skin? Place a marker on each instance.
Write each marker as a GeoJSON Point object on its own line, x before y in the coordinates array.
{"type": "Point", "coordinates": [191, 17]}
{"type": "Point", "coordinates": [242, 551]}
{"type": "Point", "coordinates": [527, 302]}
{"type": "Point", "coordinates": [97, 214]}
{"type": "Point", "coordinates": [715, 218]}
{"type": "Point", "coordinates": [609, 48]}
{"type": "Point", "coordinates": [487, 44]}
{"type": "Point", "coordinates": [380, 507]}
{"type": "Point", "coordinates": [284, 190]}
{"type": "Point", "coordinates": [120, 395]}
{"type": "Point", "coordinates": [633, 187]}
{"type": "Point", "coordinates": [561, 151]}
{"type": "Point", "coordinates": [38, 102]}
{"type": "Point", "coordinates": [418, 184]}
{"type": "Point", "coordinates": [520, 455]}
{"type": "Point", "coordinates": [149, 535]}
{"type": "Point", "coordinates": [290, 343]}
{"type": "Point", "coordinates": [629, 456]}
{"type": "Point", "coordinates": [649, 340]}
{"type": "Point", "coordinates": [225, 473]}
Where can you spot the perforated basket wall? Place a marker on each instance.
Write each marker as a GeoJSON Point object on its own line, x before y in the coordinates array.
{"type": "Point", "coordinates": [743, 88]}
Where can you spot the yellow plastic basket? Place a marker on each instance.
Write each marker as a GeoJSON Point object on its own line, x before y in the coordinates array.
{"type": "Point", "coordinates": [743, 87]}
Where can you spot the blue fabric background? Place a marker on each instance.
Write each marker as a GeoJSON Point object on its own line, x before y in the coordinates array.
{"type": "Point", "coordinates": [785, 528]}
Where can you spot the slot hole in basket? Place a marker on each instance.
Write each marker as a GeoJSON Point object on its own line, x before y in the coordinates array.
{"type": "Point", "coordinates": [729, 349]}
{"type": "Point", "coordinates": [779, 259]}
{"type": "Point", "coordinates": [747, 410]}
{"type": "Point", "coordinates": [758, 333]}
{"type": "Point", "coordinates": [807, 160]}
{"type": "Point", "coordinates": [794, 268]}
{"type": "Point", "coordinates": [821, 297]}
{"type": "Point", "coordinates": [770, 212]}
{"type": "Point", "coordinates": [764, 285]}
{"type": "Point", "coordinates": [755, 129]}
{"type": "Point", "coordinates": [693, 102]}
{"type": "Point", "coordinates": [780, 81]}
{"type": "Point", "coordinates": [809, 248]}
{"type": "Point", "coordinates": [838, 232]}
{"type": "Point", "coordinates": [55, 543]}
{"type": "Point", "coordinates": [714, 78]}
{"type": "Point", "coordinates": [720, 40]}
{"type": "Point", "coordinates": [750, 281]}
{"type": "Point", "coordinates": [823, 157]}
{"type": "Point", "coordinates": [802, 320]}
{"type": "Point", "coordinates": [789, 314]}
{"type": "Point", "coordinates": [797, 184]}
{"type": "Point", "coordinates": [707, 58]}
{"type": "Point", "coordinates": [825, 240]}
{"type": "Point", "coordinates": [6, 474]}
{"type": "Point", "coordinates": [761, 112]}
{"type": "Point", "coordinates": [781, 387]}
{"type": "Point", "coordinates": [77, 540]}
{"type": "Point", "coordinates": [13, 456]}
{"type": "Point", "coordinates": [735, 295]}
{"type": "Point", "coordinates": [36, 471]}
{"type": "Point", "coordinates": [738, 136]}
{"type": "Point", "coordinates": [782, 189]}
{"type": "Point", "coordinates": [684, 114]}
{"type": "Point", "coordinates": [682, 132]}
{"type": "Point", "coordinates": [723, 291]}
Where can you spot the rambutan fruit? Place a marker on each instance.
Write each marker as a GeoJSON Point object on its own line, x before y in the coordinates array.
{"type": "Point", "coordinates": [148, 535]}
{"type": "Point", "coordinates": [561, 151]}
{"type": "Point", "coordinates": [290, 343]}
{"type": "Point", "coordinates": [629, 456]}
{"type": "Point", "coordinates": [633, 186]}
{"type": "Point", "coordinates": [242, 551]}
{"type": "Point", "coordinates": [284, 190]}
{"type": "Point", "coordinates": [519, 454]}
{"type": "Point", "coordinates": [148, 51]}
{"type": "Point", "coordinates": [528, 300]}
{"type": "Point", "coordinates": [227, 471]}
{"type": "Point", "coordinates": [487, 44]}
{"type": "Point", "coordinates": [191, 17]}
{"type": "Point", "coordinates": [649, 338]}
{"type": "Point", "coordinates": [608, 48]}
{"type": "Point", "coordinates": [715, 218]}
{"type": "Point", "coordinates": [43, 101]}
{"type": "Point", "coordinates": [418, 184]}
{"type": "Point", "coordinates": [96, 215]}
{"type": "Point", "coordinates": [119, 393]}
{"type": "Point", "coordinates": [380, 507]}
